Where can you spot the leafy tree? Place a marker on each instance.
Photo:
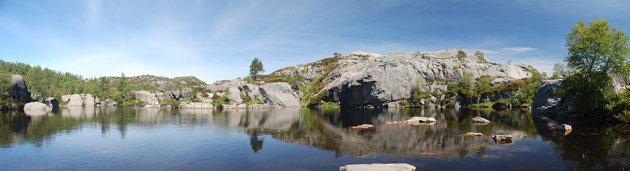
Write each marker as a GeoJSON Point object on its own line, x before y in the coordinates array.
{"type": "Point", "coordinates": [466, 85]}
{"type": "Point", "coordinates": [595, 51]}
{"type": "Point", "coordinates": [256, 67]}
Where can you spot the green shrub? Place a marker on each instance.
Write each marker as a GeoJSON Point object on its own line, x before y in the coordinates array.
{"type": "Point", "coordinates": [330, 105]}
{"type": "Point", "coordinates": [481, 56]}
{"type": "Point", "coordinates": [487, 104]}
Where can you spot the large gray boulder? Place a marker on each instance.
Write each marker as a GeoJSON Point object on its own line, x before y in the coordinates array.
{"type": "Point", "coordinates": [148, 97]}
{"type": "Point", "coordinates": [19, 88]}
{"type": "Point", "coordinates": [37, 106]}
{"type": "Point", "coordinates": [53, 103]}
{"type": "Point", "coordinates": [281, 94]}
{"type": "Point", "coordinates": [546, 101]}
{"type": "Point", "coordinates": [78, 100]}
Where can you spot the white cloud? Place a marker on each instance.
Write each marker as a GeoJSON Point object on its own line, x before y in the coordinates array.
{"type": "Point", "coordinates": [519, 49]}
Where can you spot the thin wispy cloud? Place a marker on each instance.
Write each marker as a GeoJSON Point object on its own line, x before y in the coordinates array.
{"type": "Point", "coordinates": [519, 49]}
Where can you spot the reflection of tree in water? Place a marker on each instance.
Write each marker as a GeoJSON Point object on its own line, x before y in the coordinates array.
{"type": "Point", "coordinates": [256, 141]}
{"type": "Point", "coordinates": [589, 146]}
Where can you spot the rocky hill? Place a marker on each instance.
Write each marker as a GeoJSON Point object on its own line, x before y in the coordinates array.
{"type": "Point", "coordinates": [362, 79]}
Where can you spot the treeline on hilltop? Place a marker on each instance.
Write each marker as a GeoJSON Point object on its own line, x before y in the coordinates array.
{"type": "Point", "coordinates": [43, 83]}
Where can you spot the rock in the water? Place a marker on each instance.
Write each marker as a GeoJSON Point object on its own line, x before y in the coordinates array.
{"type": "Point", "coordinates": [53, 103]}
{"type": "Point", "coordinates": [37, 106]}
{"type": "Point", "coordinates": [363, 127]}
{"type": "Point", "coordinates": [378, 167]}
{"type": "Point", "coordinates": [195, 105]}
{"type": "Point", "coordinates": [563, 127]}
{"type": "Point", "coordinates": [421, 119]}
{"type": "Point", "coordinates": [502, 138]}
{"type": "Point", "coordinates": [472, 134]}
{"type": "Point", "coordinates": [480, 120]}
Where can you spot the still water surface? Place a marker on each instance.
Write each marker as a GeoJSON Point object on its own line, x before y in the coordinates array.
{"type": "Point", "coordinates": [299, 139]}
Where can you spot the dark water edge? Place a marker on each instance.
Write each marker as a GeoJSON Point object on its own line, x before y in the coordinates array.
{"type": "Point", "coordinates": [300, 139]}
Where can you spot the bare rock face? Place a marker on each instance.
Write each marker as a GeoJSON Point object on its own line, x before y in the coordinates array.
{"type": "Point", "coordinates": [368, 79]}
{"type": "Point", "coordinates": [154, 98]}
{"type": "Point", "coordinates": [273, 94]}
{"type": "Point", "coordinates": [546, 102]}
{"type": "Point", "coordinates": [20, 91]}
{"type": "Point", "coordinates": [362, 79]}
{"type": "Point", "coordinates": [148, 97]}
{"type": "Point", "coordinates": [78, 100]}
{"type": "Point", "coordinates": [280, 94]}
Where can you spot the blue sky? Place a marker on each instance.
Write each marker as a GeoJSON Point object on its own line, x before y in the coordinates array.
{"type": "Point", "coordinates": [216, 40]}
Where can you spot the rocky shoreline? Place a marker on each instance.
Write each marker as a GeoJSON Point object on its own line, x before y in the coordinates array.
{"type": "Point", "coordinates": [356, 80]}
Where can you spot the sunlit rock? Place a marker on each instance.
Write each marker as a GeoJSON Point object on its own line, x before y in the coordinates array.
{"type": "Point", "coordinates": [480, 120]}
{"type": "Point", "coordinates": [379, 167]}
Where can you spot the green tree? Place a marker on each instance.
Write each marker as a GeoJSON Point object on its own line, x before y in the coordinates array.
{"type": "Point", "coordinates": [595, 51]}
{"type": "Point", "coordinates": [256, 67]}
{"type": "Point", "coordinates": [466, 84]}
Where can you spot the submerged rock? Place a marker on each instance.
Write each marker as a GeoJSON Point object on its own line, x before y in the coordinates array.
{"type": "Point", "coordinates": [502, 138]}
{"type": "Point", "coordinates": [480, 120]}
{"type": "Point", "coordinates": [421, 119]}
{"type": "Point", "coordinates": [378, 166]}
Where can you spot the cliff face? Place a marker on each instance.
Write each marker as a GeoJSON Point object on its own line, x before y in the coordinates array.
{"type": "Point", "coordinates": [369, 79]}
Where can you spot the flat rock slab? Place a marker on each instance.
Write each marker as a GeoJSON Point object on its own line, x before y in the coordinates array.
{"type": "Point", "coordinates": [379, 167]}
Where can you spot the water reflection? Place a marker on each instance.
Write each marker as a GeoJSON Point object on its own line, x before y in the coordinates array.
{"type": "Point", "coordinates": [588, 147]}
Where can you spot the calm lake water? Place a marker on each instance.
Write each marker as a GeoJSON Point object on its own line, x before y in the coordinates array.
{"type": "Point", "coordinates": [299, 139]}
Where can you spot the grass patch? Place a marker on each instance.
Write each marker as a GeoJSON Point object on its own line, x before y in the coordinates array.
{"type": "Point", "coordinates": [172, 103]}
{"type": "Point", "coordinates": [329, 105]}
{"type": "Point", "coordinates": [487, 104]}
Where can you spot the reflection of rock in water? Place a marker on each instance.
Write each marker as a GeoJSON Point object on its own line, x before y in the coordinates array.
{"type": "Point", "coordinates": [275, 119]}
{"type": "Point", "coordinates": [78, 112]}
{"type": "Point", "coordinates": [330, 131]}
